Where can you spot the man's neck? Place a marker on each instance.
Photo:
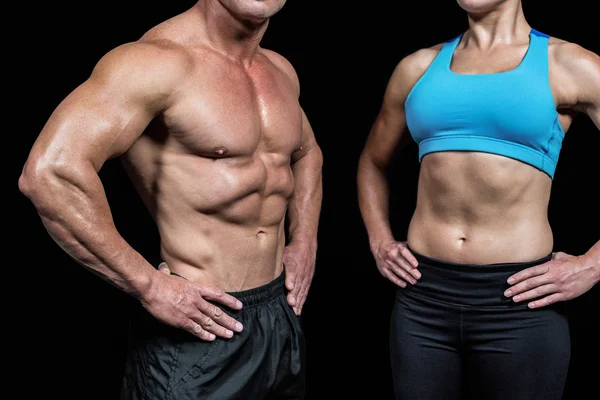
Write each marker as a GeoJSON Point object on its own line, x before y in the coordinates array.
{"type": "Point", "coordinates": [230, 34]}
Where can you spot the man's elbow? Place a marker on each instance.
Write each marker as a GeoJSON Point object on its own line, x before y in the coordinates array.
{"type": "Point", "coordinates": [37, 179]}
{"type": "Point", "coordinates": [318, 155]}
{"type": "Point", "coordinates": [31, 181]}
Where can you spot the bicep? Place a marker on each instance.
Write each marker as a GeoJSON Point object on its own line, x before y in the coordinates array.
{"type": "Point", "coordinates": [389, 131]}
{"type": "Point", "coordinates": [583, 67]}
{"type": "Point", "coordinates": [93, 123]}
{"type": "Point", "coordinates": [308, 141]}
{"type": "Point", "coordinates": [102, 117]}
{"type": "Point", "coordinates": [591, 105]}
{"type": "Point", "coordinates": [589, 98]}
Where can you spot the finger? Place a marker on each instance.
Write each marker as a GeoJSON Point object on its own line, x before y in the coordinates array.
{"type": "Point", "coordinates": [293, 294]}
{"type": "Point", "coordinates": [290, 279]}
{"type": "Point", "coordinates": [301, 295]}
{"type": "Point", "coordinates": [304, 298]}
{"type": "Point", "coordinates": [301, 292]}
{"type": "Point", "coordinates": [400, 272]}
{"type": "Point", "coordinates": [546, 301]}
{"type": "Point", "coordinates": [529, 272]}
{"type": "Point", "coordinates": [291, 300]}
{"type": "Point", "coordinates": [560, 256]}
{"type": "Point", "coordinates": [197, 330]}
{"type": "Point", "coordinates": [210, 325]}
{"type": "Point", "coordinates": [529, 284]}
{"type": "Point", "coordinates": [217, 315]}
{"type": "Point", "coordinates": [393, 278]}
{"type": "Point", "coordinates": [535, 293]}
{"type": "Point", "coordinates": [164, 268]}
{"type": "Point", "coordinates": [219, 296]}
{"type": "Point", "coordinates": [408, 256]}
{"type": "Point", "coordinates": [406, 266]}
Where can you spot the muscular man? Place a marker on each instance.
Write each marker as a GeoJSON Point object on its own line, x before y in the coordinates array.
{"type": "Point", "coordinates": [480, 290]}
{"type": "Point", "coordinates": [211, 132]}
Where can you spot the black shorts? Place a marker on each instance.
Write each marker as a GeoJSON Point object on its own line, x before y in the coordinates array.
{"type": "Point", "coordinates": [264, 361]}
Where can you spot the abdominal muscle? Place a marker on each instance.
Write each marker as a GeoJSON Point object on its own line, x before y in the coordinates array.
{"type": "Point", "coordinates": [229, 256]}
{"type": "Point", "coordinates": [480, 208]}
{"type": "Point", "coordinates": [221, 221]}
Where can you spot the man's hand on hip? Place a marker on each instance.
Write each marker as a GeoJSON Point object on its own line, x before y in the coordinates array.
{"type": "Point", "coordinates": [183, 304]}
{"type": "Point", "coordinates": [299, 262]}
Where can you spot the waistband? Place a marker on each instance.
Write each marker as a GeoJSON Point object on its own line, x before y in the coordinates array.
{"type": "Point", "coordinates": [261, 294]}
{"type": "Point", "coordinates": [496, 267]}
{"type": "Point", "coordinates": [467, 284]}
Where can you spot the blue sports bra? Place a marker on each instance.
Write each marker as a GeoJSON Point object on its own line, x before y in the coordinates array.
{"type": "Point", "coordinates": [508, 113]}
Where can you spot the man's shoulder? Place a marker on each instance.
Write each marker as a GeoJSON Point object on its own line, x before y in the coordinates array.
{"type": "Point", "coordinates": [144, 56]}
{"type": "Point", "coordinates": [282, 64]}
{"type": "Point", "coordinates": [143, 67]}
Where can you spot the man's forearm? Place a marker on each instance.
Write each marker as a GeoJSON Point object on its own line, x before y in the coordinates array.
{"type": "Point", "coordinates": [305, 205]}
{"type": "Point", "coordinates": [73, 207]}
{"type": "Point", "coordinates": [373, 198]}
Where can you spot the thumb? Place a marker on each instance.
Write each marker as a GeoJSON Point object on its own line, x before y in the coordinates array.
{"type": "Point", "coordinates": [164, 268]}
{"type": "Point", "coordinates": [290, 279]}
{"type": "Point", "coordinates": [561, 256]}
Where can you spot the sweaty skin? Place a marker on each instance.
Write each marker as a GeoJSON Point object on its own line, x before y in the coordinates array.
{"type": "Point", "coordinates": [212, 135]}
{"type": "Point", "coordinates": [472, 207]}
{"type": "Point", "coordinates": [215, 168]}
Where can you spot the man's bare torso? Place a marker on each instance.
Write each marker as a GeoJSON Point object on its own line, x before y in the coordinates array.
{"type": "Point", "coordinates": [214, 168]}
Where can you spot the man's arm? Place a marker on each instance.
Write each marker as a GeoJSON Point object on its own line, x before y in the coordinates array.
{"type": "Point", "coordinates": [98, 121]}
{"type": "Point", "coordinates": [304, 207]}
{"type": "Point", "coordinates": [565, 276]}
{"type": "Point", "coordinates": [303, 216]}
{"type": "Point", "coordinates": [389, 133]}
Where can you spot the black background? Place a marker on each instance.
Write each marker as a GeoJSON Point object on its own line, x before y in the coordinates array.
{"type": "Point", "coordinates": [69, 327]}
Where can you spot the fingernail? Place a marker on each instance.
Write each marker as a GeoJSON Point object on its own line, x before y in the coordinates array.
{"type": "Point", "coordinates": [228, 333]}
{"type": "Point", "coordinates": [239, 326]}
{"type": "Point", "coordinates": [418, 275]}
{"type": "Point", "coordinates": [413, 281]}
{"type": "Point", "coordinates": [517, 298]}
{"type": "Point", "coordinates": [239, 304]}
{"type": "Point", "coordinates": [531, 305]}
{"type": "Point", "coordinates": [508, 293]}
{"type": "Point", "coordinates": [211, 337]}
{"type": "Point", "coordinates": [511, 280]}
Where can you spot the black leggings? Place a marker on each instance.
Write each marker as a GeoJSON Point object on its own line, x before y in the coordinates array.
{"type": "Point", "coordinates": [455, 335]}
